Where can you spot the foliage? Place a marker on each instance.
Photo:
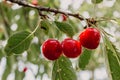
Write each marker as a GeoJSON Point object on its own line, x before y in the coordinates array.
{"type": "Point", "coordinates": [18, 42]}
{"type": "Point", "coordinates": [63, 70]}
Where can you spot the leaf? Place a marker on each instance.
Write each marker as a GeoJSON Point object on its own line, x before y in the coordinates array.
{"type": "Point", "coordinates": [74, 25]}
{"type": "Point", "coordinates": [65, 27]}
{"type": "Point", "coordinates": [96, 1]}
{"type": "Point", "coordinates": [45, 25]}
{"type": "Point", "coordinates": [84, 58]}
{"type": "Point", "coordinates": [57, 32]}
{"type": "Point", "coordinates": [33, 53]}
{"type": "Point", "coordinates": [6, 73]}
{"type": "Point", "coordinates": [1, 54]}
{"type": "Point", "coordinates": [113, 64]}
{"type": "Point", "coordinates": [9, 65]}
{"type": "Point", "coordinates": [63, 70]}
{"type": "Point", "coordinates": [18, 42]}
{"type": "Point", "coordinates": [19, 75]}
{"type": "Point", "coordinates": [49, 28]}
{"type": "Point", "coordinates": [112, 59]}
{"type": "Point", "coordinates": [108, 43]}
{"type": "Point", "coordinates": [10, 61]}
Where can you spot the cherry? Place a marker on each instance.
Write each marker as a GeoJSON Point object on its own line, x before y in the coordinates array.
{"type": "Point", "coordinates": [71, 48]}
{"type": "Point", "coordinates": [90, 38]}
{"type": "Point", "coordinates": [25, 69]}
{"type": "Point", "coordinates": [51, 49]}
{"type": "Point", "coordinates": [34, 2]}
{"type": "Point", "coordinates": [64, 17]}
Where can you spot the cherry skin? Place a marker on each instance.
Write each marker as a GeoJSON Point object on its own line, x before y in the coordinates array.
{"type": "Point", "coordinates": [90, 38]}
{"type": "Point", "coordinates": [34, 2]}
{"type": "Point", "coordinates": [51, 49]}
{"type": "Point", "coordinates": [71, 48]}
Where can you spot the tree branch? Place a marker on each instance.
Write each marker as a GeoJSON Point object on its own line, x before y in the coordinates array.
{"type": "Point", "coordinates": [41, 8]}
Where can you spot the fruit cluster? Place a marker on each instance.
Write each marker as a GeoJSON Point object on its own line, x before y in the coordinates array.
{"type": "Point", "coordinates": [52, 49]}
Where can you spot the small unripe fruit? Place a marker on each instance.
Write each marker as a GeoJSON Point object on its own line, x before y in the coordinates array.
{"type": "Point", "coordinates": [51, 49]}
{"type": "Point", "coordinates": [71, 48]}
{"type": "Point", "coordinates": [90, 38]}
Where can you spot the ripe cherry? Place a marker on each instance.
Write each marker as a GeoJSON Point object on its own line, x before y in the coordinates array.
{"type": "Point", "coordinates": [51, 49]}
{"type": "Point", "coordinates": [64, 17]}
{"type": "Point", "coordinates": [34, 2]}
{"type": "Point", "coordinates": [90, 38]}
{"type": "Point", "coordinates": [71, 48]}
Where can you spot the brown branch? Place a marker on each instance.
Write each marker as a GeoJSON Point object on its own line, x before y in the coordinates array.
{"type": "Point", "coordinates": [41, 8]}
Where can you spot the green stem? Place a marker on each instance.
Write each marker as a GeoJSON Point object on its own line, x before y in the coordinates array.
{"type": "Point", "coordinates": [92, 78]}
{"type": "Point", "coordinates": [36, 27]}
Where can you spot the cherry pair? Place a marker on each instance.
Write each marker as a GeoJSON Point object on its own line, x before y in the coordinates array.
{"type": "Point", "coordinates": [89, 38]}
{"type": "Point", "coordinates": [52, 49]}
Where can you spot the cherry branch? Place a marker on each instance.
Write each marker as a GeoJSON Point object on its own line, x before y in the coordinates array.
{"type": "Point", "coordinates": [41, 8]}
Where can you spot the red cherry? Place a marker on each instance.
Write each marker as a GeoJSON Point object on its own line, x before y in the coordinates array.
{"type": "Point", "coordinates": [25, 69]}
{"type": "Point", "coordinates": [71, 48]}
{"type": "Point", "coordinates": [51, 49]}
{"type": "Point", "coordinates": [64, 17]}
{"type": "Point", "coordinates": [34, 2]}
{"type": "Point", "coordinates": [90, 38]}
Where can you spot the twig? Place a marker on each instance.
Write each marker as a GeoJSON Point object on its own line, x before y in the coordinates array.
{"type": "Point", "coordinates": [41, 8]}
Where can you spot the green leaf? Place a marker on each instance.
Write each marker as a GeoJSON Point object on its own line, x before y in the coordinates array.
{"type": "Point", "coordinates": [57, 32]}
{"type": "Point", "coordinates": [112, 59]}
{"type": "Point", "coordinates": [45, 25]}
{"type": "Point", "coordinates": [9, 65]}
{"type": "Point", "coordinates": [74, 25]}
{"type": "Point", "coordinates": [1, 54]}
{"type": "Point", "coordinates": [63, 70]}
{"type": "Point", "coordinates": [19, 75]}
{"type": "Point", "coordinates": [33, 53]}
{"type": "Point", "coordinates": [108, 43]}
{"type": "Point", "coordinates": [49, 28]}
{"type": "Point", "coordinates": [10, 61]}
{"type": "Point", "coordinates": [113, 64]}
{"type": "Point", "coordinates": [96, 1]}
{"type": "Point", "coordinates": [65, 27]}
{"type": "Point", "coordinates": [18, 42]}
{"type": "Point", "coordinates": [6, 73]}
{"type": "Point", "coordinates": [84, 58]}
